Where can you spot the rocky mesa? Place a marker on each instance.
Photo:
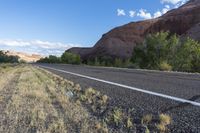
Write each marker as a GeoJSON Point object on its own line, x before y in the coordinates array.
{"type": "Point", "coordinates": [24, 56]}
{"type": "Point", "coordinates": [120, 41]}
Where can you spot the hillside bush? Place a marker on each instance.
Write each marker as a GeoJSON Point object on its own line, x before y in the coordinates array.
{"type": "Point", "coordinates": [164, 66]}
{"type": "Point", "coordinates": [4, 58]}
{"type": "Point", "coordinates": [165, 52]}
{"type": "Point", "coordinates": [50, 59]}
{"type": "Point", "coordinates": [70, 58]}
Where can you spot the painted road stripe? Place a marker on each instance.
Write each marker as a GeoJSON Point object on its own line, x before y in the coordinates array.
{"type": "Point", "coordinates": [128, 87]}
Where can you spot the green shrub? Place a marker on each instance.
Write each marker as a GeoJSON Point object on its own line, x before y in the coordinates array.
{"type": "Point", "coordinates": [50, 59]}
{"type": "Point", "coordinates": [167, 52]}
{"type": "Point", "coordinates": [146, 119]}
{"type": "Point", "coordinates": [97, 62]}
{"type": "Point", "coordinates": [4, 58]}
{"type": "Point", "coordinates": [117, 116]}
{"type": "Point", "coordinates": [164, 66]}
{"type": "Point", "coordinates": [118, 62]}
{"type": "Point", "coordinates": [70, 58]}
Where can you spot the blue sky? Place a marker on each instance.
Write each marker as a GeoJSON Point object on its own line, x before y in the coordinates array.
{"type": "Point", "coordinates": [52, 26]}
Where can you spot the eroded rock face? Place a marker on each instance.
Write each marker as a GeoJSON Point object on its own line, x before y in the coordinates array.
{"type": "Point", "coordinates": [24, 56]}
{"type": "Point", "coordinates": [120, 41]}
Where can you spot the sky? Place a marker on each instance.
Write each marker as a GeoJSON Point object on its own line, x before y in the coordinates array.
{"type": "Point", "coordinates": [51, 26]}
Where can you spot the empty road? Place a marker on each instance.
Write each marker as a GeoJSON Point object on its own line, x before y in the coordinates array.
{"type": "Point", "coordinates": [177, 94]}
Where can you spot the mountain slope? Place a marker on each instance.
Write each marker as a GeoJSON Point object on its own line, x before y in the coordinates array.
{"type": "Point", "coordinates": [120, 41]}
{"type": "Point", "coordinates": [24, 56]}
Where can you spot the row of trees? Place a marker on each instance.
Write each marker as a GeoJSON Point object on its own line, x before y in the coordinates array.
{"type": "Point", "coordinates": [4, 58]}
{"type": "Point", "coordinates": [110, 62]}
{"type": "Point", "coordinates": [161, 51]}
{"type": "Point", "coordinates": [66, 57]}
{"type": "Point", "coordinates": [168, 52]}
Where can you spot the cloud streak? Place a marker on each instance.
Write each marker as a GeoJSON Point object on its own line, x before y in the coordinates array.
{"type": "Point", "coordinates": [120, 12]}
{"type": "Point", "coordinates": [174, 2]}
{"type": "Point", "coordinates": [144, 14]}
{"type": "Point", "coordinates": [35, 46]}
{"type": "Point", "coordinates": [132, 13]}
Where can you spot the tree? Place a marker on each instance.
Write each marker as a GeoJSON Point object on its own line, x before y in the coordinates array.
{"type": "Point", "coordinates": [165, 51]}
{"type": "Point", "coordinates": [4, 58]}
{"type": "Point", "coordinates": [188, 56]}
{"type": "Point", "coordinates": [50, 59]}
{"type": "Point", "coordinates": [70, 58]}
{"type": "Point", "coordinates": [118, 62]}
{"type": "Point", "coordinates": [152, 52]}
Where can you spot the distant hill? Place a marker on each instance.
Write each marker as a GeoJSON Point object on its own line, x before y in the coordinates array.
{"type": "Point", "coordinates": [120, 41]}
{"type": "Point", "coordinates": [24, 56]}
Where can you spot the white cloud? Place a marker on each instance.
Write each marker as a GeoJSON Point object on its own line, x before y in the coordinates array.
{"type": "Point", "coordinates": [167, 6]}
{"type": "Point", "coordinates": [171, 1]}
{"type": "Point", "coordinates": [157, 14]}
{"type": "Point", "coordinates": [35, 46]}
{"type": "Point", "coordinates": [144, 14]}
{"type": "Point", "coordinates": [180, 3]}
{"type": "Point", "coordinates": [175, 3]}
{"type": "Point", "coordinates": [120, 12]}
{"type": "Point", "coordinates": [163, 11]}
{"type": "Point", "coordinates": [132, 13]}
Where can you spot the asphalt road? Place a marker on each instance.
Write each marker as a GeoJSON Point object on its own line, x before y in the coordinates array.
{"type": "Point", "coordinates": [186, 117]}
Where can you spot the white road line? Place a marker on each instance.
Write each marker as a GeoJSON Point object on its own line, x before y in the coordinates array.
{"type": "Point", "coordinates": [128, 87]}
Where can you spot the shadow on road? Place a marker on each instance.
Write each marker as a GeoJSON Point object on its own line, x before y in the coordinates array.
{"type": "Point", "coordinates": [181, 105]}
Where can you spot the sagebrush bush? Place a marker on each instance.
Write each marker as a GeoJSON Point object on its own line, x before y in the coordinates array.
{"type": "Point", "coordinates": [146, 119]}
{"type": "Point", "coordinates": [164, 66]}
{"type": "Point", "coordinates": [165, 119]}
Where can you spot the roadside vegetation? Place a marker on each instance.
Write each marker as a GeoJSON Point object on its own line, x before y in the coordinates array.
{"type": "Point", "coordinates": [160, 51]}
{"type": "Point", "coordinates": [163, 51]}
{"type": "Point", "coordinates": [35, 100]}
{"type": "Point", "coordinates": [67, 58]}
{"type": "Point", "coordinates": [8, 59]}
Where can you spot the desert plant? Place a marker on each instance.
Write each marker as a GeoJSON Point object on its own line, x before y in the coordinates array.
{"type": "Point", "coordinates": [117, 116]}
{"type": "Point", "coordinates": [165, 119]}
{"type": "Point", "coordinates": [104, 99]}
{"type": "Point", "coordinates": [161, 127]}
{"type": "Point", "coordinates": [70, 58]}
{"type": "Point", "coordinates": [118, 62]}
{"type": "Point", "coordinates": [129, 123]}
{"type": "Point", "coordinates": [146, 119]}
{"type": "Point", "coordinates": [164, 66]}
{"type": "Point", "coordinates": [147, 129]}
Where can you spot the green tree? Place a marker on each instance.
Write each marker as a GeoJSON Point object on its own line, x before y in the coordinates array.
{"type": "Point", "coordinates": [152, 52]}
{"type": "Point", "coordinates": [50, 59]}
{"type": "Point", "coordinates": [164, 51]}
{"type": "Point", "coordinates": [118, 62]}
{"type": "Point", "coordinates": [70, 58]}
{"type": "Point", "coordinates": [187, 57]}
{"type": "Point", "coordinates": [4, 58]}
{"type": "Point", "coordinates": [97, 62]}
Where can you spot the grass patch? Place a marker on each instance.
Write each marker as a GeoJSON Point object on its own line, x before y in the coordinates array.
{"type": "Point", "coordinates": [39, 101]}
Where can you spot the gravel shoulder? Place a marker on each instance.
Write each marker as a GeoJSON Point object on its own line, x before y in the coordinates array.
{"type": "Point", "coordinates": [34, 100]}
{"type": "Point", "coordinates": [186, 118]}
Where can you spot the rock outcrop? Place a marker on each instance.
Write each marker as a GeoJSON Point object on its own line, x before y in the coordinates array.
{"type": "Point", "coordinates": [120, 41]}
{"type": "Point", "coordinates": [24, 56]}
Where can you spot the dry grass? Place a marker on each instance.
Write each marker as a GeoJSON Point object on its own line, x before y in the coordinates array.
{"type": "Point", "coordinates": [165, 119]}
{"type": "Point", "coordinates": [38, 104]}
{"type": "Point", "coordinates": [6, 73]}
{"type": "Point", "coordinates": [146, 119]}
{"type": "Point", "coordinates": [35, 100]}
